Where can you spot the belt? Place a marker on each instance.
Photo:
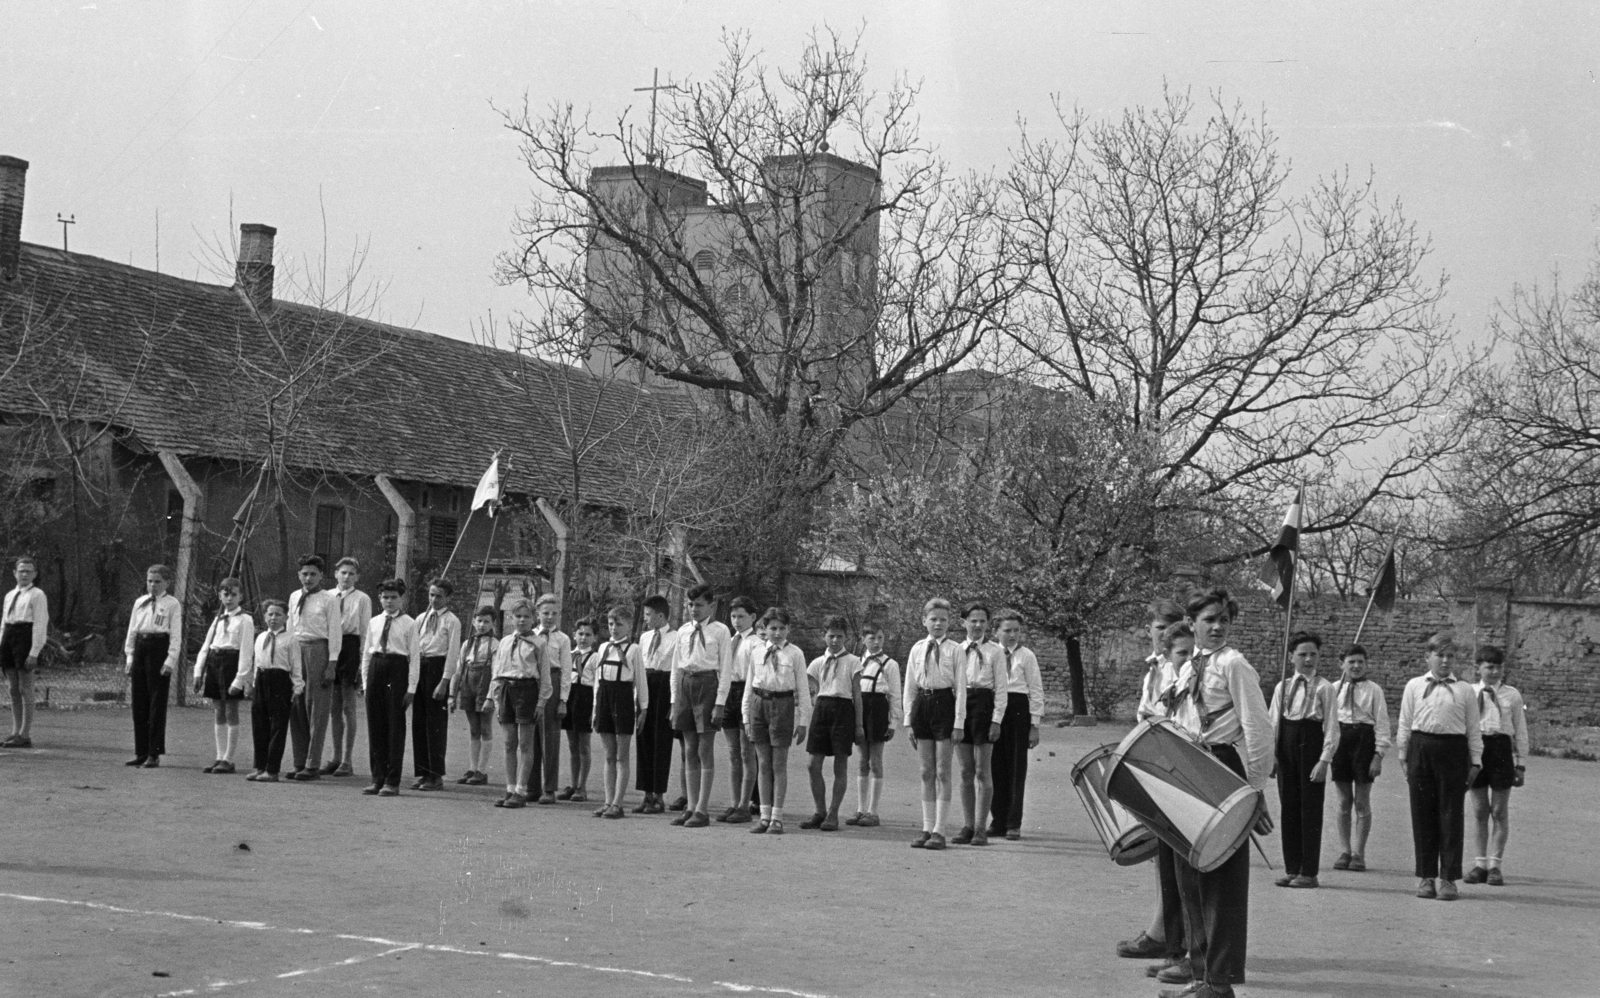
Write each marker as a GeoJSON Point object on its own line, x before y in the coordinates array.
{"type": "Point", "coordinates": [701, 672]}
{"type": "Point", "coordinates": [773, 694]}
{"type": "Point", "coordinates": [520, 679]}
{"type": "Point", "coordinates": [151, 635]}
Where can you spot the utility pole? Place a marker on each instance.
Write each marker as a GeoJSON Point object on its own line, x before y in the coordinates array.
{"type": "Point", "coordinates": [65, 221]}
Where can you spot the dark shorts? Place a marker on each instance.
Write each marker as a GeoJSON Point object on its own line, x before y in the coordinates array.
{"type": "Point", "coordinates": [933, 714]}
{"type": "Point", "coordinates": [580, 709]}
{"type": "Point", "coordinates": [1352, 760]}
{"type": "Point", "coordinates": [519, 702]}
{"type": "Point", "coordinates": [474, 687]}
{"type": "Point", "coordinates": [222, 666]}
{"type": "Point", "coordinates": [833, 727]}
{"type": "Point", "coordinates": [347, 667]}
{"type": "Point", "coordinates": [1499, 763]}
{"type": "Point", "coordinates": [980, 714]}
{"type": "Point", "coordinates": [615, 712]}
{"type": "Point", "coordinates": [733, 710]}
{"type": "Point", "coordinates": [772, 718]}
{"type": "Point", "coordinates": [15, 643]}
{"type": "Point", "coordinates": [697, 697]}
{"type": "Point", "coordinates": [875, 717]}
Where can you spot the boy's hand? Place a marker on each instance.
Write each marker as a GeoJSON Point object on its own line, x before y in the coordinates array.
{"type": "Point", "coordinates": [994, 733]}
{"type": "Point", "coordinates": [1319, 773]}
{"type": "Point", "coordinates": [561, 709]}
{"type": "Point", "coordinates": [127, 670]}
{"type": "Point", "coordinates": [441, 691]}
{"type": "Point", "coordinates": [911, 738]}
{"type": "Point", "coordinates": [638, 724]}
{"type": "Point", "coordinates": [1263, 823]}
{"type": "Point", "coordinates": [33, 661]}
{"type": "Point", "coordinates": [1376, 767]}
{"type": "Point", "coordinates": [407, 701]}
{"type": "Point", "coordinates": [166, 670]}
{"type": "Point", "coordinates": [716, 716]}
{"type": "Point", "coordinates": [861, 735]}
{"type": "Point", "coordinates": [888, 736]}
{"type": "Point", "coordinates": [749, 732]}
{"type": "Point", "coordinates": [199, 685]}
{"type": "Point", "coordinates": [1472, 775]}
{"type": "Point", "coordinates": [799, 734]}
{"type": "Point", "coordinates": [1519, 777]}
{"type": "Point", "coordinates": [1033, 736]}
{"type": "Point", "coordinates": [959, 735]}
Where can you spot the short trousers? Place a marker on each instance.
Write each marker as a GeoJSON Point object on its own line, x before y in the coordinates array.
{"type": "Point", "coordinates": [15, 643]}
{"type": "Point", "coordinates": [733, 710]}
{"type": "Point", "coordinates": [222, 667]}
{"type": "Point", "coordinates": [697, 697]}
{"type": "Point", "coordinates": [772, 718]}
{"type": "Point", "coordinates": [1352, 760]}
{"type": "Point", "coordinates": [1499, 763]}
{"type": "Point", "coordinates": [980, 714]}
{"type": "Point", "coordinates": [580, 709]}
{"type": "Point", "coordinates": [875, 717]}
{"type": "Point", "coordinates": [833, 727]}
{"type": "Point", "coordinates": [933, 714]}
{"type": "Point", "coordinates": [519, 701]}
{"type": "Point", "coordinates": [615, 712]}
{"type": "Point", "coordinates": [474, 689]}
{"type": "Point", "coordinates": [347, 667]}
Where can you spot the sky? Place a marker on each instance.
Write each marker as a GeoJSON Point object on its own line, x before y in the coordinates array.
{"type": "Point", "coordinates": [1482, 119]}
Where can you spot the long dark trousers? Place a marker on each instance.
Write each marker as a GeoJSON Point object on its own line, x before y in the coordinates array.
{"type": "Point", "coordinates": [1009, 764]}
{"type": "Point", "coordinates": [653, 747]}
{"type": "Point", "coordinates": [547, 737]}
{"type": "Point", "coordinates": [1436, 773]}
{"type": "Point", "coordinates": [1217, 905]}
{"type": "Point", "coordinates": [1299, 747]}
{"type": "Point", "coordinates": [269, 717]}
{"type": "Point", "coordinates": [1174, 921]}
{"type": "Point", "coordinates": [386, 717]}
{"type": "Point", "coordinates": [149, 695]}
{"type": "Point", "coordinates": [430, 721]}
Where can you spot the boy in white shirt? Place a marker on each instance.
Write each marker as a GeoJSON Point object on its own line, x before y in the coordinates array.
{"type": "Point", "coordinates": [654, 744]}
{"type": "Point", "coordinates": [742, 762]}
{"type": "Point", "coordinates": [314, 622]}
{"type": "Point", "coordinates": [389, 675]}
{"type": "Point", "coordinates": [1305, 725]}
{"type": "Point", "coordinates": [26, 627]}
{"type": "Point", "coordinates": [273, 679]}
{"type": "Point", "coordinates": [879, 681]}
{"type": "Point", "coordinates": [836, 718]}
{"type": "Point", "coordinates": [936, 712]}
{"type": "Point", "coordinates": [777, 709]}
{"type": "Point", "coordinates": [151, 650]}
{"type": "Point", "coordinates": [1503, 722]}
{"type": "Point", "coordinates": [438, 651]}
{"type": "Point", "coordinates": [226, 651]}
{"type": "Point", "coordinates": [1019, 726]}
{"type": "Point", "coordinates": [1357, 762]}
{"type": "Point", "coordinates": [701, 677]}
{"type": "Point", "coordinates": [355, 613]}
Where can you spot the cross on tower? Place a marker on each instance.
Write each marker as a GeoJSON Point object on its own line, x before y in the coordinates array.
{"type": "Point", "coordinates": [828, 70]}
{"type": "Point", "coordinates": [655, 87]}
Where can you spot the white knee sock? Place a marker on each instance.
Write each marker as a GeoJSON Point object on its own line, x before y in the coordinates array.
{"type": "Point", "coordinates": [927, 815]}
{"type": "Point", "coordinates": [877, 794]}
{"type": "Point", "coordinates": [941, 805]}
{"type": "Point", "coordinates": [862, 783]}
{"type": "Point", "coordinates": [1490, 862]}
{"type": "Point", "coordinates": [221, 734]}
{"type": "Point", "coordinates": [777, 813]}
{"type": "Point", "coordinates": [231, 743]}
{"type": "Point", "coordinates": [766, 812]}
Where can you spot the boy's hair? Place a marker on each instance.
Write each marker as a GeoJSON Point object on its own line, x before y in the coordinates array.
{"type": "Point", "coordinates": [313, 561]}
{"type": "Point", "coordinates": [486, 611]}
{"type": "Point", "coordinates": [230, 585]}
{"type": "Point", "coordinates": [26, 559]}
{"type": "Point", "coordinates": [1353, 649]}
{"type": "Point", "coordinates": [1167, 611]}
{"type": "Point", "coordinates": [870, 628]}
{"type": "Point", "coordinates": [1299, 638]}
{"type": "Point", "coordinates": [548, 599]}
{"type": "Point", "coordinates": [620, 611]}
{"type": "Point", "coordinates": [1491, 654]}
{"type": "Point", "coordinates": [702, 593]}
{"type": "Point", "coordinates": [1006, 613]}
{"type": "Point", "coordinates": [1172, 632]}
{"type": "Point", "coordinates": [440, 582]}
{"type": "Point", "coordinates": [659, 604]}
{"type": "Point", "coordinates": [1438, 641]}
{"type": "Point", "coordinates": [835, 622]}
{"type": "Point", "coordinates": [1199, 599]}
{"type": "Point", "coordinates": [589, 622]}
{"type": "Point", "coordinates": [396, 586]}
{"type": "Point", "coordinates": [161, 570]}
{"type": "Point", "coordinates": [776, 615]}
{"type": "Point", "coordinates": [974, 607]}
{"type": "Point", "coordinates": [937, 603]}
{"type": "Point", "coordinates": [746, 604]}
{"type": "Point", "coordinates": [347, 561]}
{"type": "Point", "coordinates": [520, 603]}
{"type": "Point", "coordinates": [268, 604]}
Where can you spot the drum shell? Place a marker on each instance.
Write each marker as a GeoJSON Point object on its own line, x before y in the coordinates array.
{"type": "Point", "coordinates": [1182, 793]}
{"type": "Point", "coordinates": [1126, 840]}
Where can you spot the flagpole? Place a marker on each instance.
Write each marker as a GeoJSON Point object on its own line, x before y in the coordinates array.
{"type": "Point", "coordinates": [1288, 623]}
{"type": "Point", "coordinates": [1372, 594]}
{"type": "Point", "coordinates": [459, 538]}
{"type": "Point", "coordinates": [494, 523]}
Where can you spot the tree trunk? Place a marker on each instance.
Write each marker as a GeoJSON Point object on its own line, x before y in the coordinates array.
{"type": "Point", "coordinates": [1080, 705]}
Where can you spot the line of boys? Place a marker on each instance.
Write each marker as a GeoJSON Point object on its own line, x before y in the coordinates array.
{"type": "Point", "coordinates": [1318, 728]}
{"type": "Point", "coordinates": [980, 700]}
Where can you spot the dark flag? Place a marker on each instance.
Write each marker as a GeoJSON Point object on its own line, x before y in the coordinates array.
{"type": "Point", "coordinates": [1384, 583]}
{"type": "Point", "coordinates": [1278, 573]}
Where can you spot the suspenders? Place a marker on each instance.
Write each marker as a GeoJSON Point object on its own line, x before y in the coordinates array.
{"type": "Point", "coordinates": [617, 664]}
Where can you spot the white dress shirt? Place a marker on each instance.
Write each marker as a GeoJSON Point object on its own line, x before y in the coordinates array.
{"type": "Point", "coordinates": [439, 636]}
{"type": "Point", "coordinates": [1311, 698]}
{"type": "Point", "coordinates": [658, 646]}
{"type": "Point", "coordinates": [273, 650]}
{"type": "Point", "coordinates": [29, 606]}
{"type": "Point", "coordinates": [1362, 702]}
{"type": "Point", "coordinates": [156, 616]}
{"type": "Point", "coordinates": [1232, 711]}
{"type": "Point", "coordinates": [355, 612]}
{"type": "Point", "coordinates": [622, 662]}
{"type": "Point", "coordinates": [930, 668]}
{"type": "Point", "coordinates": [986, 668]}
{"type": "Point", "coordinates": [233, 629]}
{"type": "Point", "coordinates": [1446, 706]}
{"type": "Point", "coordinates": [881, 674]}
{"type": "Point", "coordinates": [835, 674]}
{"type": "Point", "coordinates": [555, 650]}
{"type": "Point", "coordinates": [1023, 667]}
{"type": "Point", "coordinates": [314, 616]}
{"type": "Point", "coordinates": [401, 640]}
{"type": "Point", "coordinates": [739, 643]}
{"type": "Point", "coordinates": [1501, 711]}
{"type": "Point", "coordinates": [1158, 683]}
{"type": "Point", "coordinates": [477, 650]}
{"type": "Point", "coordinates": [779, 668]}
{"type": "Point", "coordinates": [703, 647]}
{"type": "Point", "coordinates": [583, 663]}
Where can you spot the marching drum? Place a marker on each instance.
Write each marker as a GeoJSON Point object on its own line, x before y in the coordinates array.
{"type": "Point", "coordinates": [1125, 839]}
{"type": "Point", "coordinates": [1184, 794]}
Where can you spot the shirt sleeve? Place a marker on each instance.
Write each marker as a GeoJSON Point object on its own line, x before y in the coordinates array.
{"type": "Point", "coordinates": [296, 670]}
{"type": "Point", "coordinates": [452, 646]}
{"type": "Point", "coordinates": [1380, 720]}
{"type": "Point", "coordinates": [891, 675]}
{"type": "Point", "coordinates": [1274, 711]}
{"type": "Point", "coordinates": [724, 667]}
{"type": "Point", "coordinates": [205, 646]}
{"type": "Point", "coordinates": [414, 660]}
{"type": "Point", "coordinates": [174, 636]}
{"type": "Point", "coordinates": [1030, 670]}
{"type": "Point", "coordinates": [564, 658]}
{"type": "Point", "coordinates": [127, 642]}
{"type": "Point", "coordinates": [247, 644]}
{"type": "Point", "coordinates": [960, 672]}
{"type": "Point", "coordinates": [1408, 708]}
{"type": "Point", "coordinates": [1244, 686]}
{"type": "Point", "coordinates": [246, 676]}
{"type": "Point", "coordinates": [1330, 723]}
{"type": "Point", "coordinates": [802, 686]}
{"type": "Point", "coordinates": [366, 656]}
{"type": "Point", "coordinates": [39, 607]}
{"type": "Point", "coordinates": [364, 620]}
{"type": "Point", "coordinates": [909, 692]}
{"type": "Point", "coordinates": [1474, 733]}
{"type": "Point", "coordinates": [333, 620]}
{"type": "Point", "coordinates": [1519, 728]}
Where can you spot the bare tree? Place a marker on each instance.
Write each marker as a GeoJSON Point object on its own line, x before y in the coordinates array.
{"type": "Point", "coordinates": [1264, 340]}
{"type": "Point", "coordinates": [727, 250]}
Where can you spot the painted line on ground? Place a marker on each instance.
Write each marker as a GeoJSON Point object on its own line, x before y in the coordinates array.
{"type": "Point", "coordinates": [395, 946]}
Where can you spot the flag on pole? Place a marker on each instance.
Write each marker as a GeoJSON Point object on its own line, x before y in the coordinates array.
{"type": "Point", "coordinates": [1385, 583]}
{"type": "Point", "coordinates": [488, 490]}
{"type": "Point", "coordinates": [1278, 573]}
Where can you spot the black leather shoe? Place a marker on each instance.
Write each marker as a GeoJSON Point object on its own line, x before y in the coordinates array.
{"type": "Point", "coordinates": [139, 761]}
{"type": "Point", "coordinates": [152, 762]}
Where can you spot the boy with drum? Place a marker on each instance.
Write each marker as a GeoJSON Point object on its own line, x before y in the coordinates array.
{"type": "Point", "coordinates": [1225, 712]}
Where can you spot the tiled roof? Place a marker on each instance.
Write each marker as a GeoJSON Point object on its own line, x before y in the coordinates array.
{"type": "Point", "coordinates": [428, 408]}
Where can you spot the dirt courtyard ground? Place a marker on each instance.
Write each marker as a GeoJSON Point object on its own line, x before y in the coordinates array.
{"type": "Point", "coordinates": [132, 882]}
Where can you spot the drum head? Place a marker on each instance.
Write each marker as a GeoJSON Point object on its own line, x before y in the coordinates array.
{"type": "Point", "coordinates": [1125, 840]}
{"type": "Point", "coordinates": [1134, 847]}
{"type": "Point", "coordinates": [1227, 830]}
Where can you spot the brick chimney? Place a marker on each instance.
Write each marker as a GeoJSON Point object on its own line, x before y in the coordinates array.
{"type": "Point", "coordinates": [253, 272]}
{"type": "Point", "coordinates": [13, 177]}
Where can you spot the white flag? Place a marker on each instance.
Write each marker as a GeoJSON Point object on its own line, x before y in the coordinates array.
{"type": "Point", "coordinates": [488, 490]}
